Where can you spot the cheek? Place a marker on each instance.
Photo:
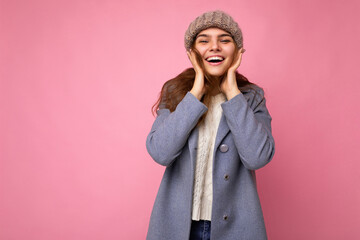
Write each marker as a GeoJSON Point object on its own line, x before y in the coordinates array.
{"type": "Point", "coordinates": [230, 58]}
{"type": "Point", "coordinates": [200, 50]}
{"type": "Point", "coordinates": [231, 51]}
{"type": "Point", "coordinates": [232, 54]}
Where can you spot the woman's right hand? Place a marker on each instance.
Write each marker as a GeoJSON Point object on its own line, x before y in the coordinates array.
{"type": "Point", "coordinates": [198, 89]}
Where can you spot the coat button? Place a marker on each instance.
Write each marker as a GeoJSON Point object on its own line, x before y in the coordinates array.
{"type": "Point", "coordinates": [226, 177]}
{"type": "Point", "coordinates": [225, 217]}
{"type": "Point", "coordinates": [224, 148]}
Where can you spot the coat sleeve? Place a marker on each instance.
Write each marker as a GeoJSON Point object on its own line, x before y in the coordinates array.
{"type": "Point", "coordinates": [170, 131]}
{"type": "Point", "coordinates": [251, 129]}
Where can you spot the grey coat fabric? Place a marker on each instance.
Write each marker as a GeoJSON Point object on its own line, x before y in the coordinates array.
{"type": "Point", "coordinates": [245, 127]}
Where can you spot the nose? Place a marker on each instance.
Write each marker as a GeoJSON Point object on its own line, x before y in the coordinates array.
{"type": "Point", "coordinates": [215, 46]}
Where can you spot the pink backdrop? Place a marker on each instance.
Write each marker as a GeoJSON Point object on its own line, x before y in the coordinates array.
{"type": "Point", "coordinates": [78, 79]}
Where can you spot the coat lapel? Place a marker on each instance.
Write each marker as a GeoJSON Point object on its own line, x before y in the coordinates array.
{"type": "Point", "coordinates": [221, 132]}
{"type": "Point", "coordinates": [223, 126]}
{"type": "Point", "coordinates": [193, 142]}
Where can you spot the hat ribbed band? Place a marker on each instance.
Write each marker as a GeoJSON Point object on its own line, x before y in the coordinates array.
{"type": "Point", "coordinates": [217, 19]}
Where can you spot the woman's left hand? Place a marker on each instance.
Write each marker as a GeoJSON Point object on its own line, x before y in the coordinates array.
{"type": "Point", "coordinates": [229, 86]}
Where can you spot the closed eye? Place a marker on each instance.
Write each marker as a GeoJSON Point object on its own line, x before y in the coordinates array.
{"type": "Point", "coordinates": [225, 41]}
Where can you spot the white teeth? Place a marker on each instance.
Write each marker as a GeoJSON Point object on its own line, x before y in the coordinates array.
{"type": "Point", "coordinates": [214, 58]}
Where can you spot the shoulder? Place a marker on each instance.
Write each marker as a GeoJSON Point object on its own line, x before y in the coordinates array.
{"type": "Point", "coordinates": [253, 89]}
{"type": "Point", "coordinates": [254, 95]}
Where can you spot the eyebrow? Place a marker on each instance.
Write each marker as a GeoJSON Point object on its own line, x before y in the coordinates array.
{"type": "Point", "coordinates": [221, 35]}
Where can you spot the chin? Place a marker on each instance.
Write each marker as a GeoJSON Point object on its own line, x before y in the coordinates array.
{"type": "Point", "coordinates": [216, 74]}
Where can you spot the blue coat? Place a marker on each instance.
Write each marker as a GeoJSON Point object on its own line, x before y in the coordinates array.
{"type": "Point", "coordinates": [244, 143]}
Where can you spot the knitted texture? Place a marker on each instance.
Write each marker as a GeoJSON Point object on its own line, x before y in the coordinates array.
{"type": "Point", "coordinates": [217, 19]}
{"type": "Point", "coordinates": [202, 195]}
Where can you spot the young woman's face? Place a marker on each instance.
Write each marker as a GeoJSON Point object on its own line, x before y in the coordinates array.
{"type": "Point", "coordinates": [217, 49]}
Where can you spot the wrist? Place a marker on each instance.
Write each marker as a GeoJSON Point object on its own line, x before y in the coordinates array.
{"type": "Point", "coordinates": [197, 94]}
{"type": "Point", "coordinates": [232, 93]}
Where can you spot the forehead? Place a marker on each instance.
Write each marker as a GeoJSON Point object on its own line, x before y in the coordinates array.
{"type": "Point", "coordinates": [213, 32]}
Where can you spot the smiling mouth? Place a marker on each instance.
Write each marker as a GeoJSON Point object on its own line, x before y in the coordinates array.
{"type": "Point", "coordinates": [215, 60]}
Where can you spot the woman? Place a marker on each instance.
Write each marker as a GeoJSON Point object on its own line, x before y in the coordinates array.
{"type": "Point", "coordinates": [212, 131]}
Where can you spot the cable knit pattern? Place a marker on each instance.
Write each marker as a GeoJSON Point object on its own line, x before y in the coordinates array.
{"type": "Point", "coordinates": [202, 195]}
{"type": "Point", "coordinates": [218, 19]}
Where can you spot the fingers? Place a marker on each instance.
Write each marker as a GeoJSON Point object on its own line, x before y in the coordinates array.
{"type": "Point", "coordinates": [193, 60]}
{"type": "Point", "coordinates": [241, 51]}
{"type": "Point", "coordinates": [237, 62]}
{"type": "Point", "coordinates": [188, 53]}
{"type": "Point", "coordinates": [239, 57]}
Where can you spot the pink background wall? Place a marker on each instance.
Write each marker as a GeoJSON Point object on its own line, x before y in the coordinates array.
{"type": "Point", "coordinates": [78, 79]}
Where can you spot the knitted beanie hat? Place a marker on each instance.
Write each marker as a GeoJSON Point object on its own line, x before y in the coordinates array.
{"type": "Point", "coordinates": [217, 19]}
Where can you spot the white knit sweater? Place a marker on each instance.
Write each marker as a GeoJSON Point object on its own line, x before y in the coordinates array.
{"type": "Point", "coordinates": [202, 195]}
